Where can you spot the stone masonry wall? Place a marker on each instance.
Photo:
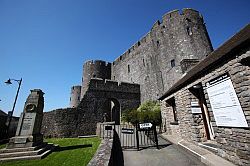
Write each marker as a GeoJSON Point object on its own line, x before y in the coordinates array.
{"type": "Point", "coordinates": [94, 69]}
{"type": "Point", "coordinates": [72, 122]}
{"type": "Point", "coordinates": [75, 96]}
{"type": "Point", "coordinates": [154, 61]}
{"type": "Point", "coordinates": [233, 143]}
{"type": "Point", "coordinates": [3, 126]}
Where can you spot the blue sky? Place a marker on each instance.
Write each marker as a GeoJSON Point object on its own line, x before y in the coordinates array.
{"type": "Point", "coordinates": [46, 41]}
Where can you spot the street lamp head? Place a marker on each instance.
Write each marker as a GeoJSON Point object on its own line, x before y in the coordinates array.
{"type": "Point", "coordinates": [8, 82]}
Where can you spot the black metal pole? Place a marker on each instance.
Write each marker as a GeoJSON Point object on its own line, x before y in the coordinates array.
{"type": "Point", "coordinates": [156, 138]}
{"type": "Point", "coordinates": [13, 108]}
{"type": "Point", "coordinates": [137, 136]}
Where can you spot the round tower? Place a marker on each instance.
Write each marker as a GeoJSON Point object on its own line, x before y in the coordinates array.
{"type": "Point", "coordinates": [187, 34]}
{"type": "Point", "coordinates": [75, 96]}
{"type": "Point", "coordinates": [95, 69]}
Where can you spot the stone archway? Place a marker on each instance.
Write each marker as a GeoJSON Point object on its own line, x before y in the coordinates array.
{"type": "Point", "coordinates": [111, 111]}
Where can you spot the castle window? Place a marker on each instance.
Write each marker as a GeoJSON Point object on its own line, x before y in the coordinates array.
{"type": "Point", "coordinates": [172, 63]}
{"type": "Point", "coordinates": [94, 76]}
{"type": "Point", "coordinates": [139, 43]}
{"type": "Point", "coordinates": [188, 20]}
{"type": "Point", "coordinates": [158, 43]}
{"type": "Point", "coordinates": [128, 69]}
{"type": "Point", "coordinates": [189, 31]}
{"type": "Point", "coordinates": [114, 77]}
{"type": "Point", "coordinates": [143, 62]}
{"type": "Point", "coordinates": [120, 57]}
{"type": "Point", "coordinates": [70, 99]}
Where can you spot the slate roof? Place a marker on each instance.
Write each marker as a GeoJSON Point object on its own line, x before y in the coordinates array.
{"type": "Point", "coordinates": [2, 113]}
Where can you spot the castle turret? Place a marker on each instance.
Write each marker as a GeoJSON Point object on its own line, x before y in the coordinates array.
{"type": "Point", "coordinates": [75, 96]}
{"type": "Point", "coordinates": [187, 32]}
{"type": "Point", "coordinates": [94, 69]}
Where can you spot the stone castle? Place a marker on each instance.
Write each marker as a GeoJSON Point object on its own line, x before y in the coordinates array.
{"type": "Point", "coordinates": [144, 72]}
{"type": "Point", "coordinates": [156, 61]}
{"type": "Point", "coordinates": [204, 94]}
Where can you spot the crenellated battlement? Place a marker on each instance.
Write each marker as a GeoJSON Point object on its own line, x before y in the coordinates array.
{"type": "Point", "coordinates": [176, 14]}
{"type": "Point", "coordinates": [97, 63]}
{"type": "Point", "coordinates": [135, 46]}
{"type": "Point", "coordinates": [114, 86]}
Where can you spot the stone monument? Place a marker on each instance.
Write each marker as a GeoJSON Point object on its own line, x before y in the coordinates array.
{"type": "Point", "coordinates": [29, 125]}
{"type": "Point", "coordinates": [28, 141]}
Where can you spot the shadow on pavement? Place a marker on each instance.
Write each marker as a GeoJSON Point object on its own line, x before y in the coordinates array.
{"type": "Point", "coordinates": [116, 152]}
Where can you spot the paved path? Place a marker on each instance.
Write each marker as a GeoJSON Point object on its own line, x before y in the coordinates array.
{"type": "Point", "coordinates": [167, 155]}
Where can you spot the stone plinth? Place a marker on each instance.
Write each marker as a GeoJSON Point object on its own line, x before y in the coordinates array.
{"type": "Point", "coordinates": [29, 125]}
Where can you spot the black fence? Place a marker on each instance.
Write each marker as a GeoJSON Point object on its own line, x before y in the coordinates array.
{"type": "Point", "coordinates": [131, 137]}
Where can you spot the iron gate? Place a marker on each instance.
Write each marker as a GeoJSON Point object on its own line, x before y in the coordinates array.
{"type": "Point", "coordinates": [131, 137]}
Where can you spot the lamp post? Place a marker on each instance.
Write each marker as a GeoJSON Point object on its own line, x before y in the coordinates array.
{"type": "Point", "coordinates": [11, 113]}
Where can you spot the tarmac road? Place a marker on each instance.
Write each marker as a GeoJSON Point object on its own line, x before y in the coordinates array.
{"type": "Point", "coordinates": [167, 155]}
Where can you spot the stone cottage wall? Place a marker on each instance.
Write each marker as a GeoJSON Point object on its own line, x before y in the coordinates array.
{"type": "Point", "coordinates": [233, 143]}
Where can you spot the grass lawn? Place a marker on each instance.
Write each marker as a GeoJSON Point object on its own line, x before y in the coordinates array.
{"type": "Point", "coordinates": [2, 146]}
{"type": "Point", "coordinates": [72, 152]}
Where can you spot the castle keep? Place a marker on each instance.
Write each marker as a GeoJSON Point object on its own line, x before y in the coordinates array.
{"type": "Point", "coordinates": [159, 59]}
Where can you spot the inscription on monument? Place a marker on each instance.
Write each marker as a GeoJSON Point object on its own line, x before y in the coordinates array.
{"type": "Point", "coordinates": [28, 123]}
{"type": "Point", "coordinates": [20, 140]}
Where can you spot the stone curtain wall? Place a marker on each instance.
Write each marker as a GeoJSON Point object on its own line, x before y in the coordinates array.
{"type": "Point", "coordinates": [148, 62]}
{"type": "Point", "coordinates": [72, 122]}
{"type": "Point", "coordinates": [233, 143]}
{"type": "Point", "coordinates": [68, 122]}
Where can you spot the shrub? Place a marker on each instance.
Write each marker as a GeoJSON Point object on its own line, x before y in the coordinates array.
{"type": "Point", "coordinates": [148, 111]}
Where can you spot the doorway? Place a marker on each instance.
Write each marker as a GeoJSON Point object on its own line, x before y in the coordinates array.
{"type": "Point", "coordinates": [111, 111]}
{"type": "Point", "coordinates": [197, 91]}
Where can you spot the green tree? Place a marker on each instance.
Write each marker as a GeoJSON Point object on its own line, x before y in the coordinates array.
{"type": "Point", "coordinates": [148, 111]}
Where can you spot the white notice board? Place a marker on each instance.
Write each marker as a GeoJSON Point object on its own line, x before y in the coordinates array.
{"type": "Point", "coordinates": [225, 103]}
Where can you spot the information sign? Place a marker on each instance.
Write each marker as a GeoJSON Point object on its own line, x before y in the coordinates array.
{"type": "Point", "coordinates": [225, 103]}
{"type": "Point", "coordinates": [195, 107]}
{"type": "Point", "coordinates": [127, 131]}
{"type": "Point", "coordinates": [145, 125]}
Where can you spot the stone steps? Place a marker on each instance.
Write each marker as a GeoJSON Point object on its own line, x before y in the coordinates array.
{"type": "Point", "coordinates": [25, 153]}
{"type": "Point", "coordinates": [31, 153]}
{"type": "Point", "coordinates": [40, 156]}
{"type": "Point", "coordinates": [21, 149]}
